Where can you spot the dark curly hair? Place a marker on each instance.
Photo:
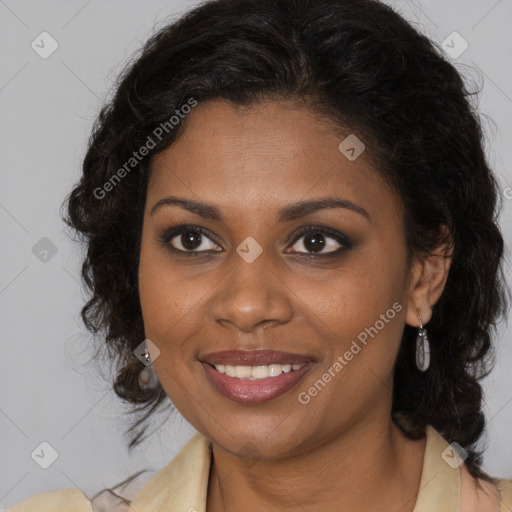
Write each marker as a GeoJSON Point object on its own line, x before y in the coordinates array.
{"type": "Point", "coordinates": [362, 66]}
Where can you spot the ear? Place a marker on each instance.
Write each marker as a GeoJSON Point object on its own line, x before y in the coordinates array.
{"type": "Point", "coordinates": [427, 279]}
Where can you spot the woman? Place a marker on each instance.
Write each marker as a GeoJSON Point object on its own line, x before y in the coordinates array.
{"type": "Point", "coordinates": [291, 231]}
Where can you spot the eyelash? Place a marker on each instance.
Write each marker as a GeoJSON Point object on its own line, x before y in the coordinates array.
{"type": "Point", "coordinates": [165, 238]}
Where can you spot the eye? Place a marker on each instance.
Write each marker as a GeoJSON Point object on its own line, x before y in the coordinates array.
{"type": "Point", "coordinates": [311, 241]}
{"type": "Point", "coordinates": [188, 239]}
{"type": "Point", "coordinates": [315, 240]}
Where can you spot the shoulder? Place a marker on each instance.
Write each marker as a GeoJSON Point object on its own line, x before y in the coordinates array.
{"type": "Point", "coordinates": [478, 495]}
{"type": "Point", "coordinates": [55, 501]}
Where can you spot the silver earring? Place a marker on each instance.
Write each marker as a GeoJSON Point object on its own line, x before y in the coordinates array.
{"type": "Point", "coordinates": [422, 349]}
{"type": "Point", "coordinates": [148, 378]}
{"type": "Point", "coordinates": [147, 356]}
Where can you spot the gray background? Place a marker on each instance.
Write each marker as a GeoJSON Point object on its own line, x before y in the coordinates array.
{"type": "Point", "coordinates": [48, 391]}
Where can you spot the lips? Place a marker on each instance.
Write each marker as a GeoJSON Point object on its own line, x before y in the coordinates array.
{"type": "Point", "coordinates": [251, 390]}
{"type": "Point", "coordinates": [254, 357]}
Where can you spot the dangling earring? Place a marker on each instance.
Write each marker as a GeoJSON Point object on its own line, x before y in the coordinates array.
{"type": "Point", "coordinates": [422, 349]}
{"type": "Point", "coordinates": [148, 378]}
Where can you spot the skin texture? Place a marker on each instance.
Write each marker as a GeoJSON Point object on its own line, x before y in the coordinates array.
{"type": "Point", "coordinates": [249, 163]}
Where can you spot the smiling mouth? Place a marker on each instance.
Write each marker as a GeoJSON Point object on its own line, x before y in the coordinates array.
{"type": "Point", "coordinates": [255, 376]}
{"type": "Point", "coordinates": [257, 372]}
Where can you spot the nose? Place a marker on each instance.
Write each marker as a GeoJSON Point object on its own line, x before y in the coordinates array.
{"type": "Point", "coordinates": [251, 296]}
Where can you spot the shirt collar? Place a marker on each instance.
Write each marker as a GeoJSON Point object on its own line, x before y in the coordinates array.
{"type": "Point", "coordinates": [183, 484]}
{"type": "Point", "coordinates": [440, 477]}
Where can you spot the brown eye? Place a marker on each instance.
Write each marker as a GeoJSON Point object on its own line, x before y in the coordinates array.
{"type": "Point", "coordinates": [188, 239]}
{"type": "Point", "coordinates": [315, 240]}
{"type": "Point", "coordinates": [192, 241]}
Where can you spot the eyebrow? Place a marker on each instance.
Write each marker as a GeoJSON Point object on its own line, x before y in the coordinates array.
{"type": "Point", "coordinates": [288, 213]}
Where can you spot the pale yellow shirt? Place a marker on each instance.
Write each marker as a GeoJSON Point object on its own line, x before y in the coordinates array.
{"type": "Point", "coordinates": [182, 485]}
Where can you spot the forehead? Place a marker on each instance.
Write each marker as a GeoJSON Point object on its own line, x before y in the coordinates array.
{"type": "Point", "coordinates": [264, 156]}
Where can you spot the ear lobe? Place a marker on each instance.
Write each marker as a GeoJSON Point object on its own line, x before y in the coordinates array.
{"type": "Point", "coordinates": [429, 274]}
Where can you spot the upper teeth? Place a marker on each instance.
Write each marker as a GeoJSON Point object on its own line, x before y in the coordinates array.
{"type": "Point", "coordinates": [257, 372]}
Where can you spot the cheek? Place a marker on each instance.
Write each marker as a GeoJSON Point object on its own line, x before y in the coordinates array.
{"type": "Point", "coordinates": [361, 330]}
{"type": "Point", "coordinates": [169, 303]}
{"type": "Point", "coordinates": [167, 294]}
{"type": "Point", "coordinates": [362, 317]}
{"type": "Point", "coordinates": [354, 298]}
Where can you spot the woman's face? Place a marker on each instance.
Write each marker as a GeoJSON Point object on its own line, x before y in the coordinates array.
{"type": "Point", "coordinates": [334, 300]}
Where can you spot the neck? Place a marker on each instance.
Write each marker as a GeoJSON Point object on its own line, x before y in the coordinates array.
{"type": "Point", "coordinates": [368, 468]}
